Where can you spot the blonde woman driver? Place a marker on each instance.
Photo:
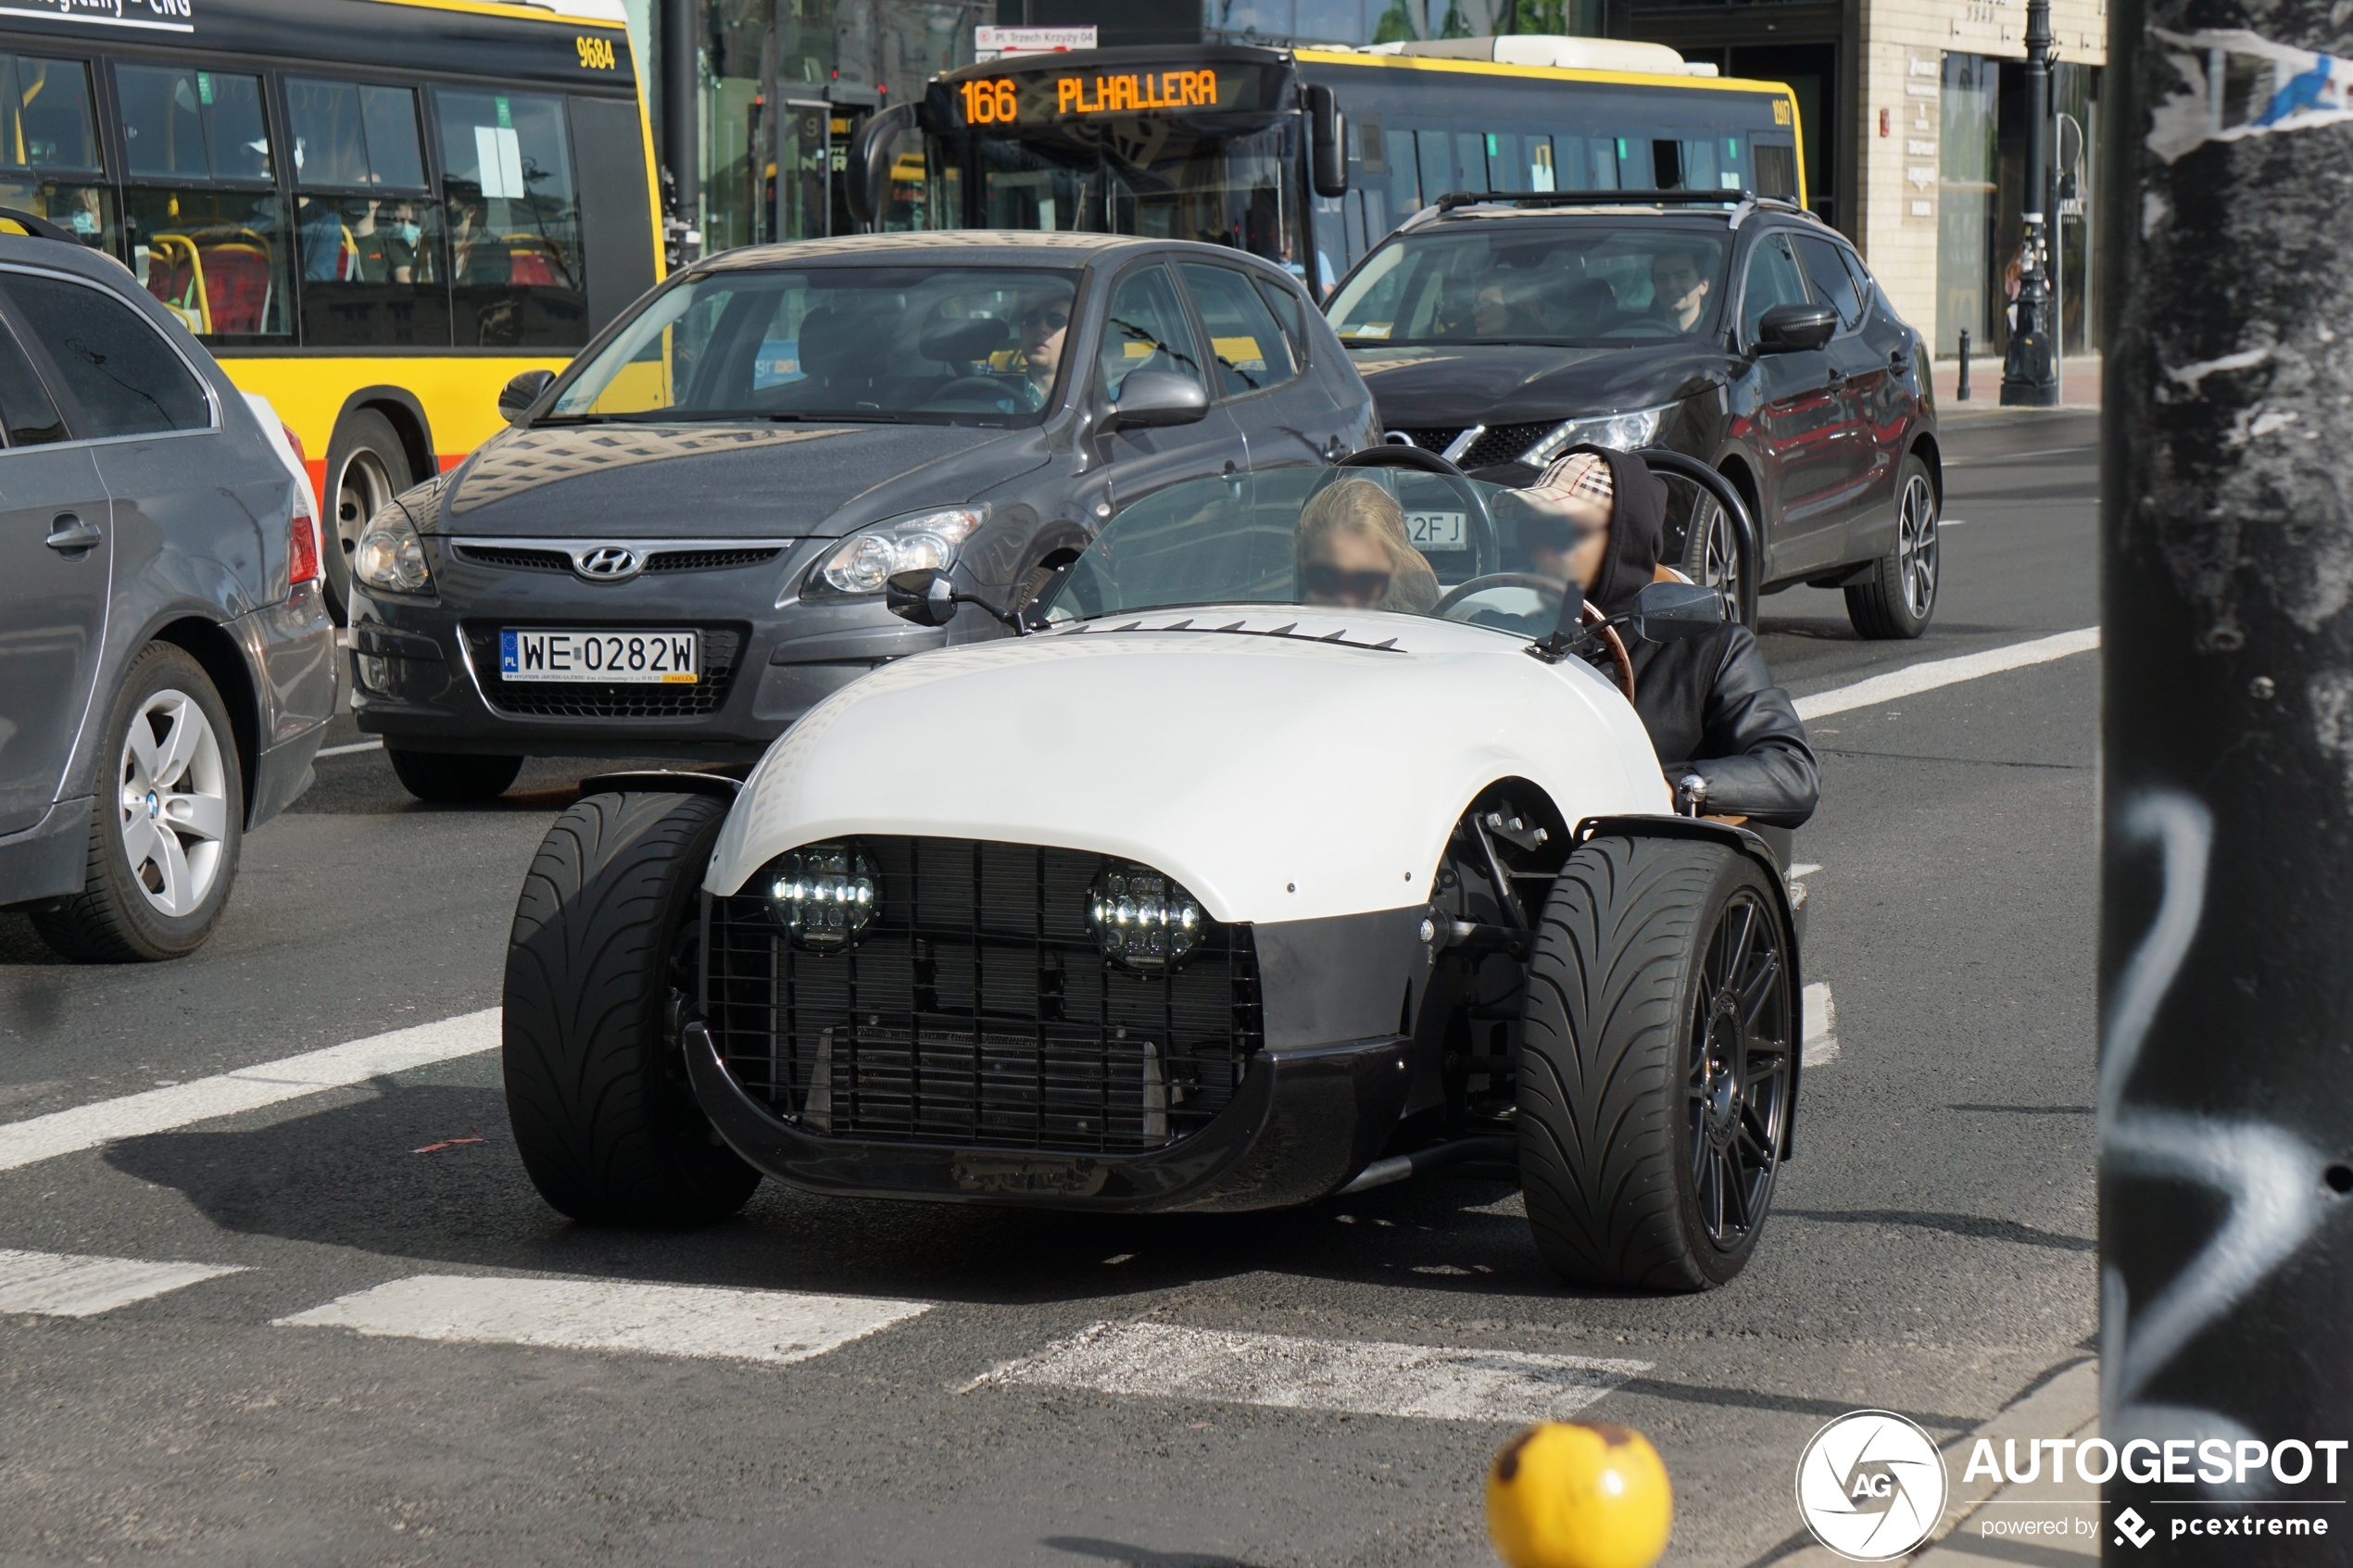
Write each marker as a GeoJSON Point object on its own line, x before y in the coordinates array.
{"type": "Point", "coordinates": [1354, 552]}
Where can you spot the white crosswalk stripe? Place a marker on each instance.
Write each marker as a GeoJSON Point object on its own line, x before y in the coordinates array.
{"type": "Point", "coordinates": [1821, 1027]}
{"type": "Point", "coordinates": [67, 1284]}
{"type": "Point", "coordinates": [1360, 1377]}
{"type": "Point", "coordinates": [584, 1314]}
{"type": "Point", "coordinates": [246, 1088]}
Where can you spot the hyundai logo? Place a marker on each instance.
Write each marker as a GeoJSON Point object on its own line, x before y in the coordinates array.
{"type": "Point", "coordinates": [608, 563]}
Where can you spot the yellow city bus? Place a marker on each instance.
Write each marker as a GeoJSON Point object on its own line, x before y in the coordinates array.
{"type": "Point", "coordinates": [374, 212]}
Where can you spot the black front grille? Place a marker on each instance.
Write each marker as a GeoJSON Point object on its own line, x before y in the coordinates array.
{"type": "Point", "coordinates": [1502, 443]}
{"type": "Point", "coordinates": [708, 560]}
{"type": "Point", "coordinates": [1435, 440]}
{"type": "Point", "coordinates": [722, 646]}
{"type": "Point", "coordinates": [514, 560]}
{"type": "Point", "coordinates": [976, 1012]}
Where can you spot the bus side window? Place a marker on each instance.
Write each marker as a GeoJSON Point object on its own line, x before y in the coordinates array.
{"type": "Point", "coordinates": [207, 228]}
{"type": "Point", "coordinates": [367, 230]}
{"type": "Point", "coordinates": [1470, 162]}
{"type": "Point", "coordinates": [1437, 159]}
{"type": "Point", "coordinates": [616, 213]}
{"type": "Point", "coordinates": [49, 162]}
{"type": "Point", "coordinates": [1776, 169]}
{"type": "Point", "coordinates": [517, 278]}
{"type": "Point", "coordinates": [1667, 164]}
{"type": "Point", "coordinates": [1404, 185]}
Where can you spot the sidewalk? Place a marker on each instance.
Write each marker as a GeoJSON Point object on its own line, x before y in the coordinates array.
{"type": "Point", "coordinates": [2068, 1406]}
{"type": "Point", "coordinates": [2079, 383]}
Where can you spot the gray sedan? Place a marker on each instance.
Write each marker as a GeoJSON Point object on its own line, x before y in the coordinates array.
{"type": "Point", "coordinates": [681, 545]}
{"type": "Point", "coordinates": [165, 662]}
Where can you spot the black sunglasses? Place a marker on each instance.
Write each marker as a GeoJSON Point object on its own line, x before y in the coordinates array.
{"type": "Point", "coordinates": [1328, 580]}
{"type": "Point", "coordinates": [1052, 321]}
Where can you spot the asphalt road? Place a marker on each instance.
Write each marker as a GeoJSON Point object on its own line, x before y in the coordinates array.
{"type": "Point", "coordinates": [1931, 1250]}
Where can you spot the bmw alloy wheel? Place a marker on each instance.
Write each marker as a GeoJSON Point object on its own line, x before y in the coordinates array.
{"type": "Point", "coordinates": [174, 802]}
{"type": "Point", "coordinates": [1916, 545]}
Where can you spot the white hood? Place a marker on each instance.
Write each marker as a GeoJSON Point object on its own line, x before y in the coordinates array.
{"type": "Point", "coordinates": [1277, 778]}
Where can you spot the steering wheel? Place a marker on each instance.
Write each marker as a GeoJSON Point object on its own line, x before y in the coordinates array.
{"type": "Point", "coordinates": [1484, 545]}
{"type": "Point", "coordinates": [974, 387]}
{"type": "Point", "coordinates": [1462, 591]}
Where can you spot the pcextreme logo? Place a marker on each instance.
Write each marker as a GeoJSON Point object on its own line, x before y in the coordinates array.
{"type": "Point", "coordinates": [1870, 1486]}
{"type": "Point", "coordinates": [2131, 1527]}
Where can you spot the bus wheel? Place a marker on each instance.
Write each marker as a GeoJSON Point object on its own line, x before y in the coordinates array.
{"type": "Point", "coordinates": [367, 466]}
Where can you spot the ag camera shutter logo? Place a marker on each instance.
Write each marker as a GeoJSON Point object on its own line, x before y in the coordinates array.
{"type": "Point", "coordinates": [1871, 1485]}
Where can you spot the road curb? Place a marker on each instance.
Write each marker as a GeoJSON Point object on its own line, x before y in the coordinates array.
{"type": "Point", "coordinates": [2061, 1403]}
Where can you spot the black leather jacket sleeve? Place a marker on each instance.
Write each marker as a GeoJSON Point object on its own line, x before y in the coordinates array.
{"type": "Point", "coordinates": [1752, 751]}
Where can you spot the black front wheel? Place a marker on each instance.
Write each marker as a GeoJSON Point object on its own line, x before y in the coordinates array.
{"type": "Point", "coordinates": [1657, 1066]}
{"type": "Point", "coordinates": [600, 979]}
{"type": "Point", "coordinates": [1898, 597]}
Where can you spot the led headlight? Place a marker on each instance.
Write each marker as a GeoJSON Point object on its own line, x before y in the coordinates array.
{"type": "Point", "coordinates": [389, 556]}
{"type": "Point", "coordinates": [1141, 919]}
{"type": "Point", "coordinates": [1622, 433]}
{"type": "Point", "coordinates": [823, 894]}
{"type": "Point", "coordinates": [868, 558]}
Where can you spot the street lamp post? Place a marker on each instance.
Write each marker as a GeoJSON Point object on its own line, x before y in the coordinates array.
{"type": "Point", "coordinates": [2029, 372]}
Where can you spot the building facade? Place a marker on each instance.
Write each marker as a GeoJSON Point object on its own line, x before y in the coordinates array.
{"type": "Point", "coordinates": [1913, 112]}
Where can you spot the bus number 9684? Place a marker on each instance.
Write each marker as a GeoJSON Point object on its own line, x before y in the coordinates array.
{"type": "Point", "coordinates": [595, 54]}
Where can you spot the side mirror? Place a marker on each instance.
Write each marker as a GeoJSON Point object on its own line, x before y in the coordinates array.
{"type": "Point", "coordinates": [1327, 143]}
{"type": "Point", "coordinates": [871, 154]}
{"type": "Point", "coordinates": [1788, 328]}
{"type": "Point", "coordinates": [1152, 399]}
{"type": "Point", "coordinates": [922, 596]}
{"type": "Point", "coordinates": [1668, 612]}
{"type": "Point", "coordinates": [516, 397]}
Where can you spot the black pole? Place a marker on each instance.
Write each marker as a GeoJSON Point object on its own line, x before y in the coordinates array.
{"type": "Point", "coordinates": [2226, 993]}
{"type": "Point", "coordinates": [2028, 374]}
{"type": "Point", "coordinates": [682, 125]}
{"type": "Point", "coordinates": [1961, 387]}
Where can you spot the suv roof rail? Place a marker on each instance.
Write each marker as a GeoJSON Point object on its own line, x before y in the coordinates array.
{"type": "Point", "coordinates": [39, 228]}
{"type": "Point", "coordinates": [1453, 199]}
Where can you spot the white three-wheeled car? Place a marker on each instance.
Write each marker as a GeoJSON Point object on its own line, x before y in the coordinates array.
{"type": "Point", "coordinates": [1198, 895]}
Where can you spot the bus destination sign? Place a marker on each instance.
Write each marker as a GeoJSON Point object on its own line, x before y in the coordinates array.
{"type": "Point", "coordinates": [167, 16]}
{"type": "Point", "coordinates": [1035, 98]}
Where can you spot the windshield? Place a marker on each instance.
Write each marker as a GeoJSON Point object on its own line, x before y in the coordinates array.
{"type": "Point", "coordinates": [1162, 178]}
{"type": "Point", "coordinates": [1585, 284]}
{"type": "Point", "coordinates": [1334, 538]}
{"type": "Point", "coordinates": [931, 346]}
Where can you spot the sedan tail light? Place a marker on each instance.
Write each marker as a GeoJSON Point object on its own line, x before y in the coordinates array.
{"type": "Point", "coordinates": [302, 548]}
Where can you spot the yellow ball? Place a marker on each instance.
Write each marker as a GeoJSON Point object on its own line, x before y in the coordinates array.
{"type": "Point", "coordinates": [1568, 1496]}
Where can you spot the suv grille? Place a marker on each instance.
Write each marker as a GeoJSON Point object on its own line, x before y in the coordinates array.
{"type": "Point", "coordinates": [1503, 443]}
{"type": "Point", "coordinates": [722, 646]}
{"type": "Point", "coordinates": [1435, 440]}
{"type": "Point", "coordinates": [976, 1010]}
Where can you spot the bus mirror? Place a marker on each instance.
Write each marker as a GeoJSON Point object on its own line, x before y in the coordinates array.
{"type": "Point", "coordinates": [871, 152]}
{"type": "Point", "coordinates": [1327, 143]}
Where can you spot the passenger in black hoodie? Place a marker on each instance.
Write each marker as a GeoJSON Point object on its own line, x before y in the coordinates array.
{"type": "Point", "coordinates": [1709, 703]}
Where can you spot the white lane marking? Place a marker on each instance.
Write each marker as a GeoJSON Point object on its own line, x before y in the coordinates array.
{"type": "Point", "coordinates": [1365, 1378]}
{"type": "Point", "coordinates": [67, 1284]}
{"type": "Point", "coordinates": [1803, 868]}
{"type": "Point", "coordinates": [1940, 523]}
{"type": "Point", "coordinates": [1994, 459]}
{"type": "Point", "coordinates": [589, 1314]}
{"type": "Point", "coordinates": [246, 1088]}
{"type": "Point", "coordinates": [378, 745]}
{"type": "Point", "coordinates": [1821, 1027]}
{"type": "Point", "coordinates": [1931, 673]}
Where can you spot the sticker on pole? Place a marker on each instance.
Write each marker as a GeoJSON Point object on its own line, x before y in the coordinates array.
{"type": "Point", "coordinates": [1871, 1485]}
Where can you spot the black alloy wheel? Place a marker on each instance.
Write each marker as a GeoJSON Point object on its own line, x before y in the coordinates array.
{"type": "Point", "coordinates": [1656, 1069]}
{"type": "Point", "coordinates": [1738, 1085]}
{"type": "Point", "coordinates": [1898, 597]}
{"type": "Point", "coordinates": [1712, 550]}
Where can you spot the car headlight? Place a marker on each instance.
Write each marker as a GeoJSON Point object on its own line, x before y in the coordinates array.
{"type": "Point", "coordinates": [1623, 432]}
{"type": "Point", "coordinates": [389, 556]}
{"type": "Point", "coordinates": [1141, 919]}
{"type": "Point", "coordinates": [823, 894]}
{"type": "Point", "coordinates": [870, 558]}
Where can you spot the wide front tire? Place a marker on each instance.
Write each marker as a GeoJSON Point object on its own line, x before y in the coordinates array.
{"type": "Point", "coordinates": [600, 972]}
{"type": "Point", "coordinates": [1656, 1070]}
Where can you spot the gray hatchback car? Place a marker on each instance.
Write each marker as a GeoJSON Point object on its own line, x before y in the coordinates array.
{"type": "Point", "coordinates": [682, 545]}
{"type": "Point", "coordinates": [167, 665]}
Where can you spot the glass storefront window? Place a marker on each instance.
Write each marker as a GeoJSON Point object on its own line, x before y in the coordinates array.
{"type": "Point", "coordinates": [513, 222]}
{"type": "Point", "coordinates": [1968, 155]}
